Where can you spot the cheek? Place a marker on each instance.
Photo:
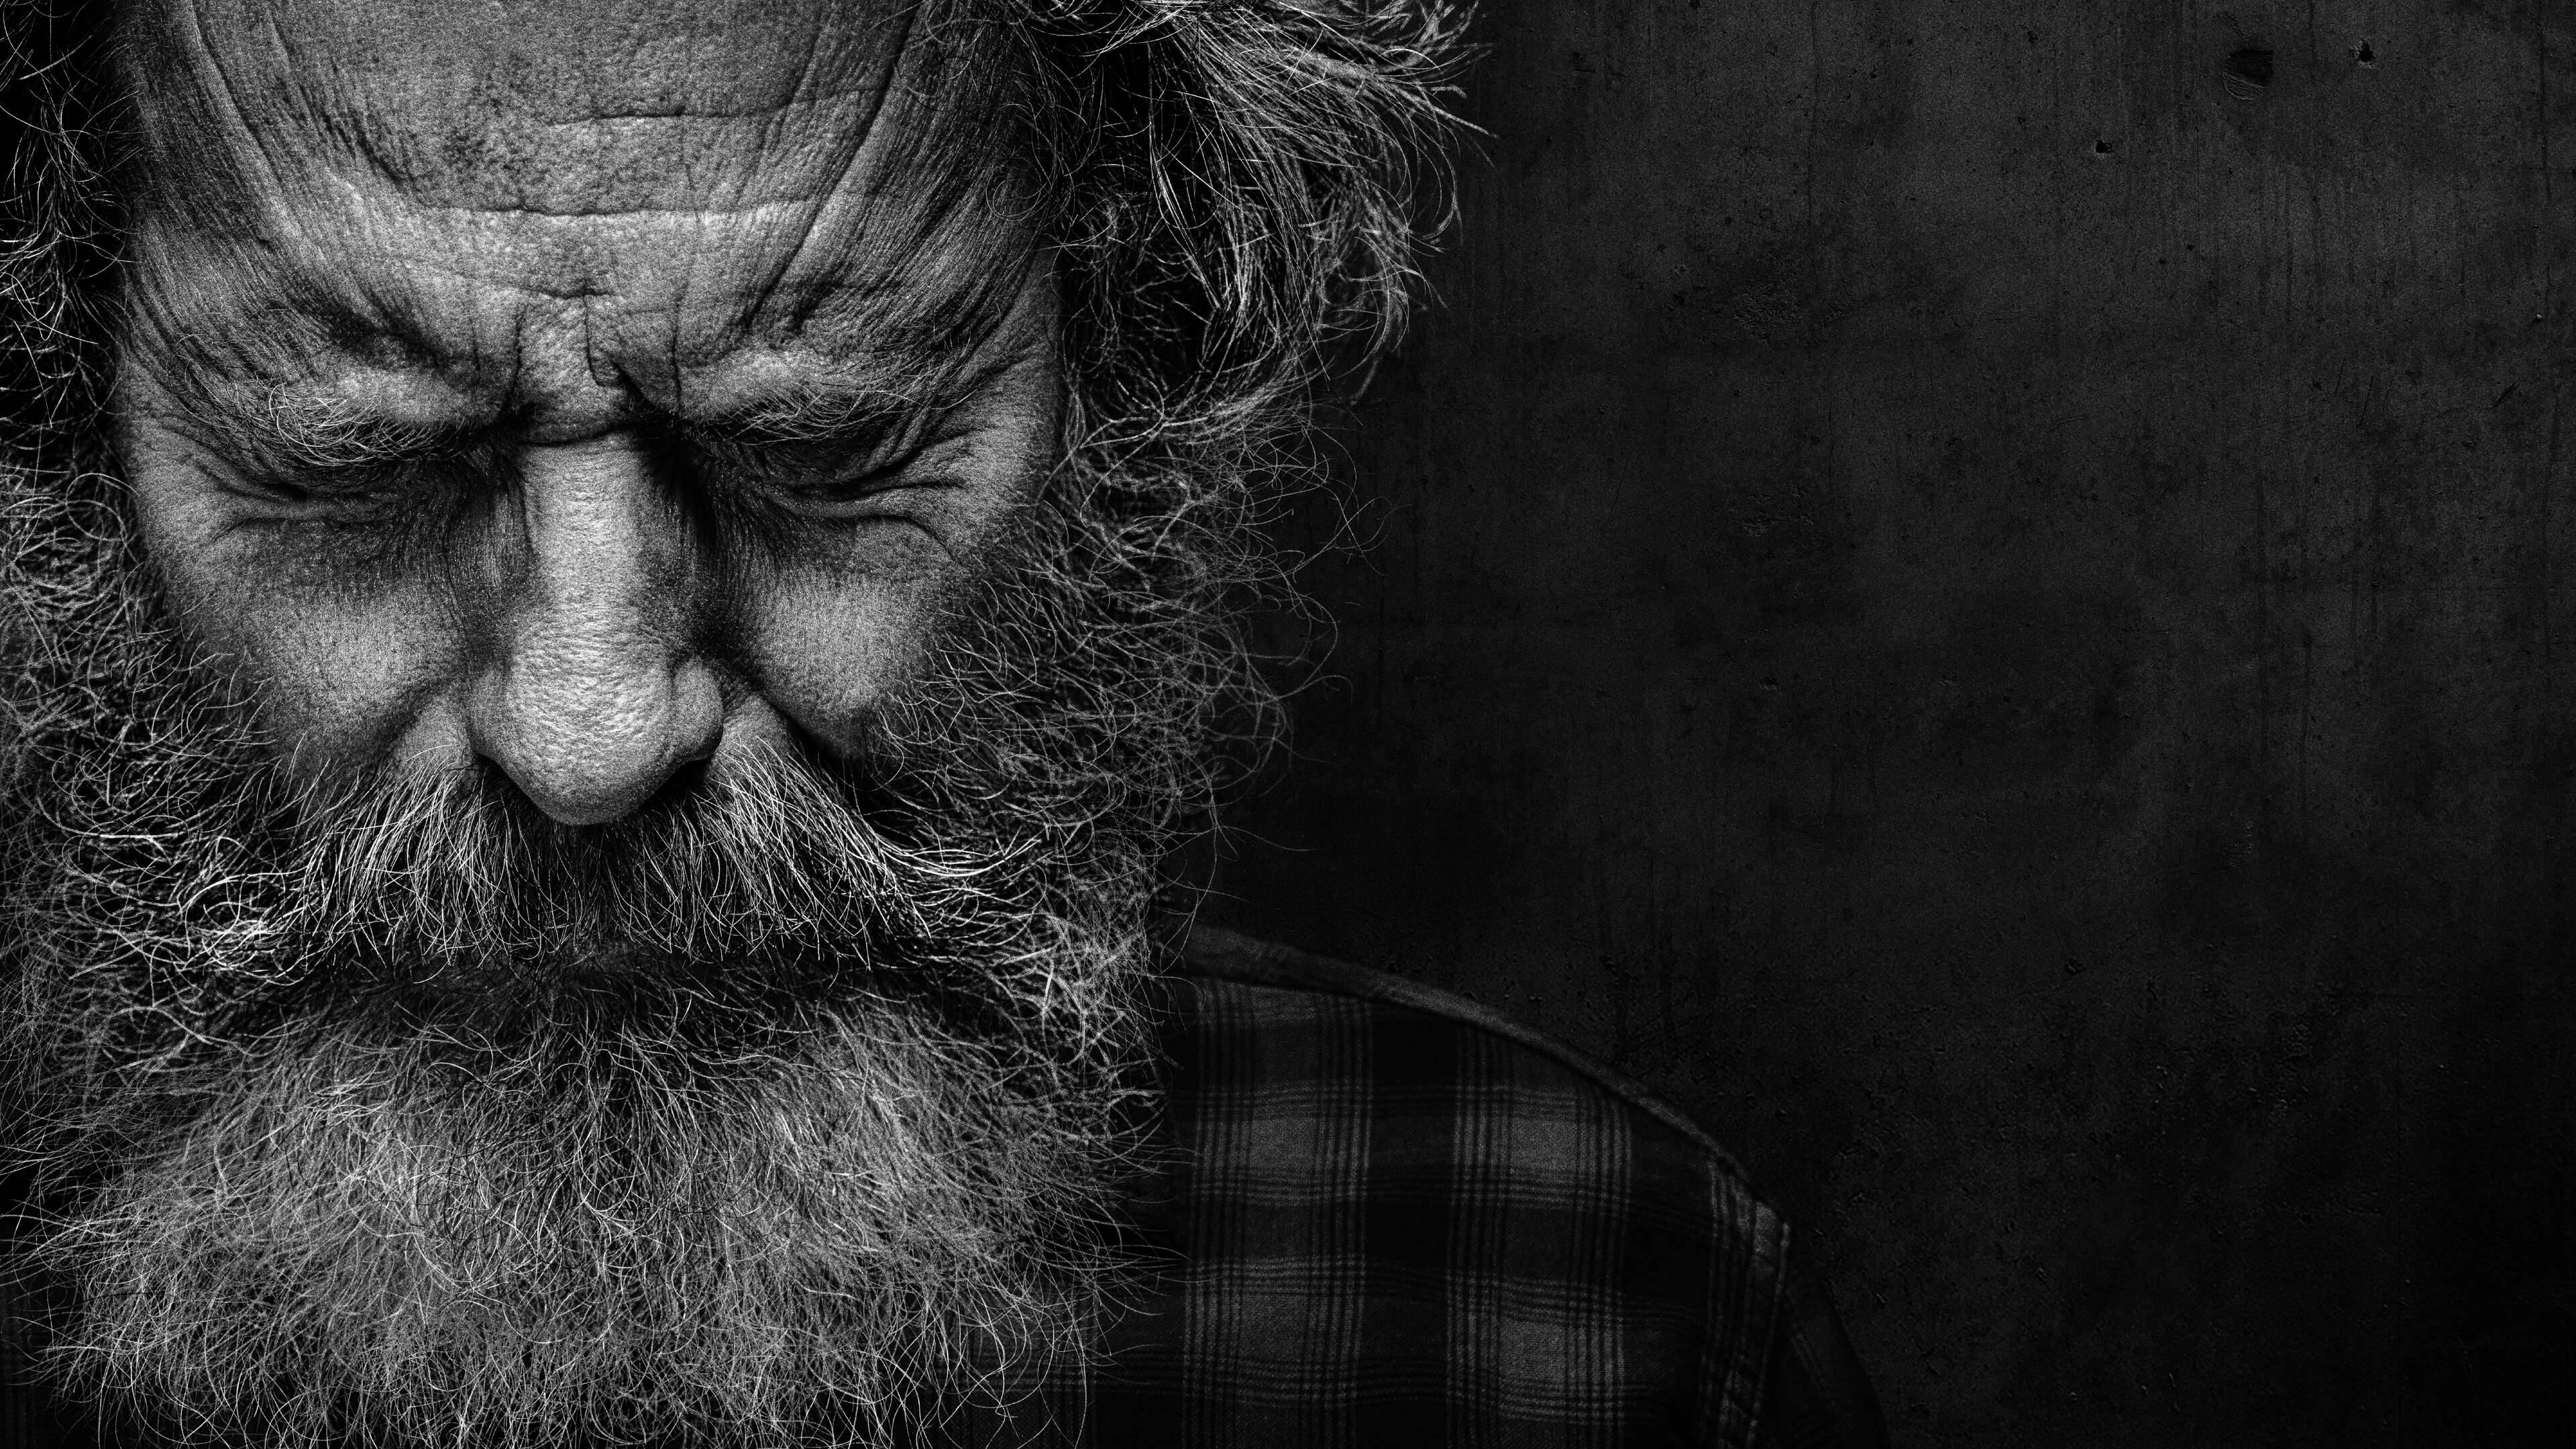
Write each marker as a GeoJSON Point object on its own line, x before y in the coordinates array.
{"type": "Point", "coordinates": [342, 679]}
{"type": "Point", "coordinates": [338, 674]}
{"type": "Point", "coordinates": [826, 642]}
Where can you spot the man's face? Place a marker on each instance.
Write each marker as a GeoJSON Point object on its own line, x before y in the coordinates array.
{"type": "Point", "coordinates": [583, 821]}
{"type": "Point", "coordinates": [605, 390]}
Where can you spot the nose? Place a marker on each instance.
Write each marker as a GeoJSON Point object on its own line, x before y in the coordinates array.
{"type": "Point", "coordinates": [593, 694]}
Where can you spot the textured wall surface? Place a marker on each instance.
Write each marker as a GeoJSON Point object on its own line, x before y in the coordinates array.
{"type": "Point", "coordinates": [1982, 592]}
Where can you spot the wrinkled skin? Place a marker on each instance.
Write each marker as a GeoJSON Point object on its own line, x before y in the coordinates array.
{"type": "Point", "coordinates": [593, 893]}
{"type": "Point", "coordinates": [593, 388]}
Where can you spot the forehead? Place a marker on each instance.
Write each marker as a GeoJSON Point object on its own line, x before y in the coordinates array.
{"type": "Point", "coordinates": [565, 196]}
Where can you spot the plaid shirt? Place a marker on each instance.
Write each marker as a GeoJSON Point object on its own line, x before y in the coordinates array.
{"type": "Point", "coordinates": [1401, 1219]}
{"type": "Point", "coordinates": [1396, 1218]}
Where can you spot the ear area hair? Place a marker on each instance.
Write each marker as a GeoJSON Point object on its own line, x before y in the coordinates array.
{"type": "Point", "coordinates": [56, 137]}
{"type": "Point", "coordinates": [1239, 191]}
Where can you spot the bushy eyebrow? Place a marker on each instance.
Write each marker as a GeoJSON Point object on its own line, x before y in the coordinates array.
{"type": "Point", "coordinates": [837, 413]}
{"type": "Point", "coordinates": [325, 432]}
{"type": "Point", "coordinates": [297, 425]}
{"type": "Point", "coordinates": [811, 417]}
{"type": "Point", "coordinates": [330, 433]}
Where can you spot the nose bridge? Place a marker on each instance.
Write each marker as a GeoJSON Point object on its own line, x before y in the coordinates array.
{"type": "Point", "coordinates": [595, 695]}
{"type": "Point", "coordinates": [603, 570]}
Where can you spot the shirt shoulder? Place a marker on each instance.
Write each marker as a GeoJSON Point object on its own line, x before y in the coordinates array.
{"type": "Point", "coordinates": [1396, 1208]}
{"type": "Point", "coordinates": [1276, 1006]}
{"type": "Point", "coordinates": [1279, 993]}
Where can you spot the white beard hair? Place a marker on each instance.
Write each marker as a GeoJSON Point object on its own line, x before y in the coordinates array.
{"type": "Point", "coordinates": [269, 1223]}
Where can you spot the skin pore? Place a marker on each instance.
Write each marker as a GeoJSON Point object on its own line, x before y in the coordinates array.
{"type": "Point", "coordinates": [593, 388]}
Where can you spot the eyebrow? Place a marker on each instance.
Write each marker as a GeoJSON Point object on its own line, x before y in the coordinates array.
{"type": "Point", "coordinates": [832, 412]}
{"type": "Point", "coordinates": [293, 425]}
{"type": "Point", "coordinates": [810, 416]}
{"type": "Point", "coordinates": [327, 432]}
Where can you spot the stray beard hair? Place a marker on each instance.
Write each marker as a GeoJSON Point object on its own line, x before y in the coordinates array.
{"type": "Point", "coordinates": [793, 1109]}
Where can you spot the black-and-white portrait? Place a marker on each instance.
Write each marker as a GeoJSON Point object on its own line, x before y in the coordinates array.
{"type": "Point", "coordinates": [816, 724]}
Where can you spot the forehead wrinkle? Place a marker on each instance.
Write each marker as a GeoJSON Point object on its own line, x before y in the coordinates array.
{"type": "Point", "coordinates": [216, 95]}
{"type": "Point", "coordinates": [322, 298]}
{"type": "Point", "coordinates": [636, 166]}
{"type": "Point", "coordinates": [865, 168]}
{"type": "Point", "coordinates": [518, 134]}
{"type": "Point", "coordinates": [888, 268]}
{"type": "Point", "coordinates": [864, 140]}
{"type": "Point", "coordinates": [907, 264]}
{"type": "Point", "coordinates": [945, 248]}
{"type": "Point", "coordinates": [609, 105]}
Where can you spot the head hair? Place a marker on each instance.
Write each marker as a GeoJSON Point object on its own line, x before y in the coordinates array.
{"type": "Point", "coordinates": [1234, 189]}
{"type": "Point", "coordinates": [57, 227]}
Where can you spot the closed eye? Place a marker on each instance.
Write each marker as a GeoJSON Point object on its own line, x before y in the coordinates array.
{"type": "Point", "coordinates": [350, 491]}
{"type": "Point", "coordinates": [825, 474]}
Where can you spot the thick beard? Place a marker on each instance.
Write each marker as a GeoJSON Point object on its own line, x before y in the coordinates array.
{"type": "Point", "coordinates": [343, 1132]}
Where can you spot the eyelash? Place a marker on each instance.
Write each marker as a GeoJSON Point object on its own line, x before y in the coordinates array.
{"type": "Point", "coordinates": [387, 504]}
{"type": "Point", "coordinates": [341, 537]}
{"type": "Point", "coordinates": [357, 500]}
{"type": "Point", "coordinates": [857, 474]}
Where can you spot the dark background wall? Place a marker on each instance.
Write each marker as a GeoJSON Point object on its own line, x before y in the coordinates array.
{"type": "Point", "coordinates": [1981, 592]}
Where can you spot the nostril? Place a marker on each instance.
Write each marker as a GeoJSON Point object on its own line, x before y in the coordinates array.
{"type": "Point", "coordinates": [675, 792]}
{"type": "Point", "coordinates": [668, 799]}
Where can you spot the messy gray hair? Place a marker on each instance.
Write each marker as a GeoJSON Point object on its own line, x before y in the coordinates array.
{"type": "Point", "coordinates": [1235, 192]}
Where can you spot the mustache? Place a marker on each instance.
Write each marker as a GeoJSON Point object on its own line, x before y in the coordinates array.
{"type": "Point", "coordinates": [764, 854]}
{"type": "Point", "coordinates": [445, 894]}
{"type": "Point", "coordinates": [729, 913]}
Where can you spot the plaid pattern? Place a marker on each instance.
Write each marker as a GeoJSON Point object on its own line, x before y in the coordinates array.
{"type": "Point", "coordinates": [1394, 1218]}
{"type": "Point", "coordinates": [1401, 1219]}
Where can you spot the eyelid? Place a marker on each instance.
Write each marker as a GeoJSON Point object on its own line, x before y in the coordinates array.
{"type": "Point", "coordinates": [352, 486]}
{"type": "Point", "coordinates": [884, 445]}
